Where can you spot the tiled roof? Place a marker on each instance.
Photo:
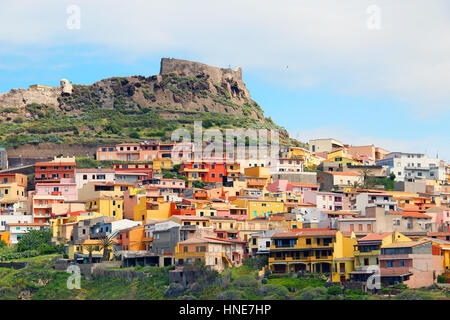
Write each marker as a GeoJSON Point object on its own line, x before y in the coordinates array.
{"type": "Point", "coordinates": [375, 236]}
{"type": "Point", "coordinates": [404, 244]}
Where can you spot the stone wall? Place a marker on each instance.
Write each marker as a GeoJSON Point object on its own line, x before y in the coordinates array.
{"type": "Point", "coordinates": [49, 150]}
{"type": "Point", "coordinates": [14, 265]}
{"type": "Point", "coordinates": [229, 79]}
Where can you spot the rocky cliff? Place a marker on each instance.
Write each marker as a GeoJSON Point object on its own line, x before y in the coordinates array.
{"type": "Point", "coordinates": [135, 107]}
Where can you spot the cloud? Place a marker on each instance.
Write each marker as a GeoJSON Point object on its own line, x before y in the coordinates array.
{"type": "Point", "coordinates": [292, 44]}
{"type": "Point", "coordinates": [299, 44]}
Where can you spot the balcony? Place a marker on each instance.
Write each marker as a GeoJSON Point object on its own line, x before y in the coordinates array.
{"type": "Point", "coordinates": [256, 184]}
{"type": "Point", "coordinates": [370, 253]}
{"type": "Point", "coordinates": [194, 170]}
{"type": "Point", "coordinates": [394, 256]}
{"type": "Point", "coordinates": [300, 259]}
{"type": "Point", "coordinates": [44, 216]}
{"type": "Point", "coordinates": [43, 206]}
{"type": "Point", "coordinates": [187, 255]}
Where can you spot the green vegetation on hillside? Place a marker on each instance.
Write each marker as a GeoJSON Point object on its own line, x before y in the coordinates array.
{"type": "Point", "coordinates": [40, 281]}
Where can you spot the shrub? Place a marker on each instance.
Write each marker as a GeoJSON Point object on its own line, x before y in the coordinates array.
{"type": "Point", "coordinates": [229, 295]}
{"type": "Point", "coordinates": [412, 295]}
{"type": "Point", "coordinates": [245, 281]}
{"type": "Point", "coordinates": [174, 290]}
{"type": "Point", "coordinates": [273, 290]}
{"type": "Point", "coordinates": [33, 239]}
{"type": "Point", "coordinates": [334, 290]}
{"type": "Point", "coordinates": [440, 278]}
{"type": "Point", "coordinates": [257, 262]}
{"type": "Point", "coordinates": [312, 293]}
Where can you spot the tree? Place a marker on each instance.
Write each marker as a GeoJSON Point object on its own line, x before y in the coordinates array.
{"type": "Point", "coordinates": [135, 135]}
{"type": "Point", "coordinates": [199, 184]}
{"type": "Point", "coordinates": [367, 178]}
{"type": "Point", "coordinates": [105, 243]}
{"type": "Point", "coordinates": [3, 244]}
{"type": "Point", "coordinates": [33, 240]}
{"type": "Point", "coordinates": [90, 248]}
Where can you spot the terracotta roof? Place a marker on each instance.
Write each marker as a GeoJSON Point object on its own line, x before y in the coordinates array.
{"type": "Point", "coordinates": [375, 236]}
{"type": "Point", "coordinates": [403, 244]}
{"type": "Point", "coordinates": [200, 240]}
{"type": "Point", "coordinates": [303, 184]}
{"type": "Point", "coordinates": [94, 170]}
{"type": "Point", "coordinates": [439, 234]}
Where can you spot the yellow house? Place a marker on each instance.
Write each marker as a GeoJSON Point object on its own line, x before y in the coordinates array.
{"type": "Point", "coordinates": [106, 206]}
{"type": "Point", "coordinates": [367, 251]}
{"type": "Point", "coordinates": [12, 192]}
{"type": "Point", "coordinates": [342, 158]}
{"type": "Point", "coordinates": [260, 208]}
{"type": "Point", "coordinates": [145, 210]}
{"type": "Point", "coordinates": [314, 250]}
{"type": "Point", "coordinates": [445, 253]}
{"type": "Point", "coordinates": [206, 212]}
{"type": "Point", "coordinates": [260, 172]}
{"type": "Point", "coordinates": [57, 223]}
{"type": "Point", "coordinates": [305, 155]}
{"type": "Point", "coordinates": [162, 163]}
{"type": "Point", "coordinates": [81, 250]}
{"type": "Point", "coordinates": [343, 256]}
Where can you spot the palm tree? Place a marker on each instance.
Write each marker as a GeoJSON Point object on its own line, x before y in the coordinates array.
{"type": "Point", "coordinates": [105, 243]}
{"type": "Point", "coordinates": [90, 248]}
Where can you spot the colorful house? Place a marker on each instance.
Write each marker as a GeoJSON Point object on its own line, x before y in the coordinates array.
{"type": "Point", "coordinates": [260, 208]}
{"type": "Point", "coordinates": [107, 206]}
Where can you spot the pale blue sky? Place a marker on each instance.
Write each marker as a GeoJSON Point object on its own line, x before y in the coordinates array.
{"type": "Point", "coordinates": [313, 66]}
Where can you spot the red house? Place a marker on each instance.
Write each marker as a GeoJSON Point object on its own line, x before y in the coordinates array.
{"type": "Point", "coordinates": [55, 170]}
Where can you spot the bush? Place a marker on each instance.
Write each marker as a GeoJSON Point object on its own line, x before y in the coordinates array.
{"type": "Point", "coordinates": [334, 290]}
{"type": "Point", "coordinates": [412, 295]}
{"type": "Point", "coordinates": [229, 295]}
{"type": "Point", "coordinates": [257, 262]}
{"type": "Point", "coordinates": [245, 281]}
{"type": "Point", "coordinates": [312, 293]}
{"type": "Point", "coordinates": [273, 290]}
{"type": "Point", "coordinates": [174, 290]}
{"type": "Point", "coordinates": [33, 239]}
{"type": "Point", "coordinates": [440, 278]}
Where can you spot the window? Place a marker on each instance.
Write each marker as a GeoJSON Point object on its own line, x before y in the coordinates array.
{"type": "Point", "coordinates": [308, 241]}
{"type": "Point", "coordinates": [389, 264]}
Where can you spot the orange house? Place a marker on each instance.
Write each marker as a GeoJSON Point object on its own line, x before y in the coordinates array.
{"type": "Point", "coordinates": [133, 239]}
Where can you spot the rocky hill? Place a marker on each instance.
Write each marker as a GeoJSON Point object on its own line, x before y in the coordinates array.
{"type": "Point", "coordinates": [131, 108]}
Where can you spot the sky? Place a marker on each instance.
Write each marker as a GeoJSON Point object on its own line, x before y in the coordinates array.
{"type": "Point", "coordinates": [363, 72]}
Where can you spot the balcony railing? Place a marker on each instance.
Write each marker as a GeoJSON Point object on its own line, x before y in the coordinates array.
{"type": "Point", "coordinates": [369, 253]}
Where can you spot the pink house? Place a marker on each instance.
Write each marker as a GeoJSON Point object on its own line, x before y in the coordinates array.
{"type": "Point", "coordinates": [66, 186]}
{"type": "Point", "coordinates": [325, 200]}
{"type": "Point", "coordinates": [440, 216]}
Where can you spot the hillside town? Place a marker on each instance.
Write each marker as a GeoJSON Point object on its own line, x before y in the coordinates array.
{"type": "Point", "coordinates": [345, 211]}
